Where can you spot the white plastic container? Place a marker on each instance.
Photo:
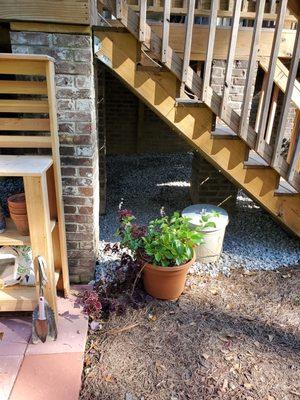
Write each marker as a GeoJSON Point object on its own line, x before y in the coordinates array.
{"type": "Point", "coordinates": [8, 269]}
{"type": "Point", "coordinates": [212, 247]}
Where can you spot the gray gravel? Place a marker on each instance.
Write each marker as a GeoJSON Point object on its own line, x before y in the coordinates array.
{"type": "Point", "coordinates": [8, 187]}
{"type": "Point", "coordinates": [145, 183]}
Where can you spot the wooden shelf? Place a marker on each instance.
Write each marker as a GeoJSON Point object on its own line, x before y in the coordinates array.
{"type": "Point", "coordinates": [18, 298]}
{"type": "Point", "coordinates": [24, 165]}
{"type": "Point", "coordinates": [11, 237]}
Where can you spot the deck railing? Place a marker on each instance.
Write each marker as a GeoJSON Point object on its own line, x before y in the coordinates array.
{"type": "Point", "coordinates": [225, 9]}
{"type": "Point", "coordinates": [265, 115]}
{"type": "Point", "coordinates": [196, 84]}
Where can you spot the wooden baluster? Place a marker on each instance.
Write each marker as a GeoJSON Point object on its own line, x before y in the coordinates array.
{"type": "Point", "coordinates": [244, 122]}
{"type": "Point", "coordinates": [287, 100]}
{"type": "Point", "coordinates": [272, 114]}
{"type": "Point", "coordinates": [187, 44]}
{"type": "Point", "coordinates": [231, 5]}
{"type": "Point", "coordinates": [210, 46]}
{"type": "Point", "coordinates": [273, 6]}
{"type": "Point", "coordinates": [143, 16]}
{"type": "Point", "coordinates": [166, 30]}
{"type": "Point", "coordinates": [271, 74]}
{"type": "Point", "coordinates": [261, 99]}
{"type": "Point", "coordinates": [245, 5]}
{"type": "Point", "coordinates": [293, 137]}
{"type": "Point", "coordinates": [294, 156]}
{"type": "Point", "coordinates": [231, 54]}
{"type": "Point", "coordinates": [118, 9]}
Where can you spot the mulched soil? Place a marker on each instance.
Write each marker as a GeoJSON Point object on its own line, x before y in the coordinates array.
{"type": "Point", "coordinates": [234, 337]}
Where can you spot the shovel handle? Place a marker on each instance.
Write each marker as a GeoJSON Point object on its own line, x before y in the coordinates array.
{"type": "Point", "coordinates": [42, 313]}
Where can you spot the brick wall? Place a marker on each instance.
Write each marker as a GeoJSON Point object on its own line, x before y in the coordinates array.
{"type": "Point", "coordinates": [208, 185]}
{"type": "Point", "coordinates": [78, 140]}
{"type": "Point", "coordinates": [238, 81]}
{"type": "Point", "coordinates": [141, 131]}
{"type": "Point", "coordinates": [236, 93]}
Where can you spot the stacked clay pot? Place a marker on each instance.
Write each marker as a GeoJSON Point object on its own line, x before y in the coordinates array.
{"type": "Point", "coordinates": [18, 212]}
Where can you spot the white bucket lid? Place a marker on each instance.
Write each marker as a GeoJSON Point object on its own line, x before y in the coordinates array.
{"type": "Point", "coordinates": [195, 211]}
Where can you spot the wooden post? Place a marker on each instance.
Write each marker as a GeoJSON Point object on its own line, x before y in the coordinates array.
{"type": "Point", "coordinates": [57, 174]}
{"type": "Point", "coordinates": [231, 53]}
{"type": "Point", "coordinates": [271, 73]}
{"type": "Point", "coordinates": [40, 231]}
{"type": "Point", "coordinates": [210, 46]}
{"type": "Point", "coordinates": [287, 100]}
{"type": "Point", "coordinates": [294, 165]}
{"type": "Point", "coordinates": [187, 44]}
{"type": "Point", "coordinates": [244, 123]}
{"type": "Point", "coordinates": [143, 16]}
{"type": "Point", "coordinates": [272, 114]}
{"type": "Point", "coordinates": [166, 29]}
{"type": "Point", "coordinates": [261, 99]}
{"type": "Point", "coordinates": [293, 157]}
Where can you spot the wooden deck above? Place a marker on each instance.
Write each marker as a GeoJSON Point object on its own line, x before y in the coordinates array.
{"type": "Point", "coordinates": [59, 11]}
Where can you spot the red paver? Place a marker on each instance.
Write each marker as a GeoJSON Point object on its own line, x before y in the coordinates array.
{"type": "Point", "coordinates": [9, 367]}
{"type": "Point", "coordinates": [72, 331]}
{"type": "Point", "coordinates": [16, 335]}
{"type": "Point", "coordinates": [44, 371]}
{"type": "Point", "coordinates": [49, 377]}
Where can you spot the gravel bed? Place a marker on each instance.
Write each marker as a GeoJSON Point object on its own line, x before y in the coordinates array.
{"type": "Point", "coordinates": [145, 183]}
{"type": "Point", "coordinates": [8, 187]}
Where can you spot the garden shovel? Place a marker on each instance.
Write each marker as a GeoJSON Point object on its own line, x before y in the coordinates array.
{"type": "Point", "coordinates": [41, 324]}
{"type": "Point", "coordinates": [43, 320]}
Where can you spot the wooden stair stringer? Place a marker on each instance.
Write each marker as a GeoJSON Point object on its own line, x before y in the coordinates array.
{"type": "Point", "coordinates": [119, 51]}
{"type": "Point", "coordinates": [130, 20]}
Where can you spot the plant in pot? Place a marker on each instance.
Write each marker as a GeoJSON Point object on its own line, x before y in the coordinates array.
{"type": "Point", "coordinates": [166, 249]}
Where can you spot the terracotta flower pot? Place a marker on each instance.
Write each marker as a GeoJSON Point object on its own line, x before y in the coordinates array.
{"type": "Point", "coordinates": [21, 222]}
{"type": "Point", "coordinates": [17, 204]}
{"type": "Point", "coordinates": [166, 283]}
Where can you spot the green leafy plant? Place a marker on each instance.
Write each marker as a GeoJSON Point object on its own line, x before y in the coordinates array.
{"type": "Point", "coordinates": [297, 300]}
{"type": "Point", "coordinates": [166, 241]}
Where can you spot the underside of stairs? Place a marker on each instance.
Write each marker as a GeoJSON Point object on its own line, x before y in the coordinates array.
{"type": "Point", "coordinates": [120, 51]}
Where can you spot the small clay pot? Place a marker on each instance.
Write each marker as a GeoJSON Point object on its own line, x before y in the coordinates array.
{"type": "Point", "coordinates": [21, 222]}
{"type": "Point", "coordinates": [165, 283]}
{"type": "Point", "coordinates": [17, 204]}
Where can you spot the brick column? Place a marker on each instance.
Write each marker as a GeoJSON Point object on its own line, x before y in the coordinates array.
{"type": "Point", "coordinates": [76, 113]}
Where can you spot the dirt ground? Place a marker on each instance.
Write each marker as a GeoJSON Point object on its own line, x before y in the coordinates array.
{"type": "Point", "coordinates": [234, 337]}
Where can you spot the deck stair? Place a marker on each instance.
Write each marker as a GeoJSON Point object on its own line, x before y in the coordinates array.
{"type": "Point", "coordinates": [252, 161]}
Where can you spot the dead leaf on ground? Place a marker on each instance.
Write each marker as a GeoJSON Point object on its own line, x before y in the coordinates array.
{"type": "Point", "coordinates": [248, 385]}
{"type": "Point", "coordinates": [225, 384]}
{"type": "Point", "coordinates": [151, 317]}
{"type": "Point", "coordinates": [1, 335]}
{"type": "Point", "coordinates": [159, 366]}
{"type": "Point", "coordinates": [108, 378]}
